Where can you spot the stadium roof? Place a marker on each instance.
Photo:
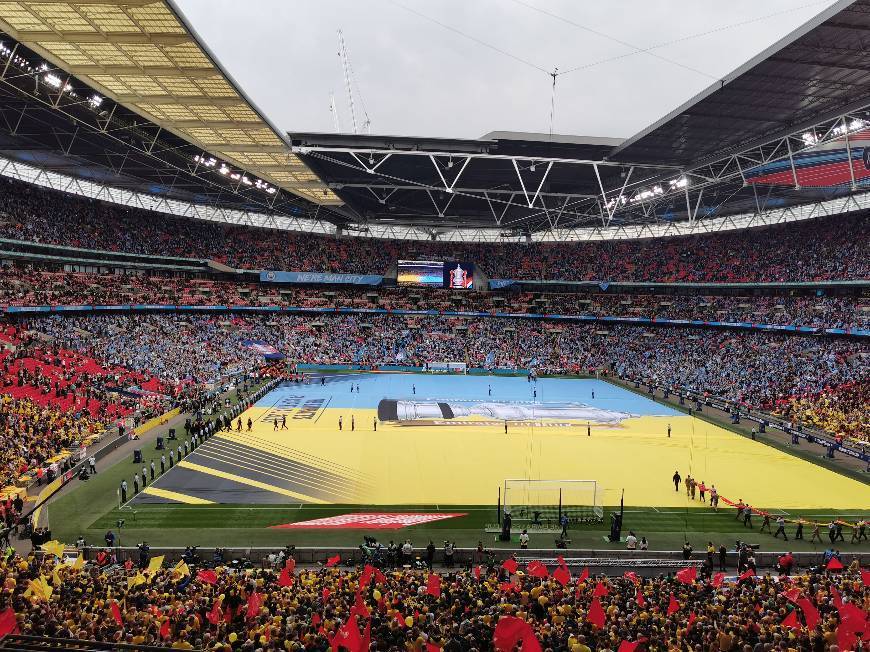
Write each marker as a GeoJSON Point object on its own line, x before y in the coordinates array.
{"type": "Point", "coordinates": [808, 90]}
{"type": "Point", "coordinates": [821, 70]}
{"type": "Point", "coordinates": [171, 102]}
{"type": "Point", "coordinates": [143, 55]}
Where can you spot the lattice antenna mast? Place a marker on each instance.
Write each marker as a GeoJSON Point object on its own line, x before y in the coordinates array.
{"type": "Point", "coordinates": [345, 64]}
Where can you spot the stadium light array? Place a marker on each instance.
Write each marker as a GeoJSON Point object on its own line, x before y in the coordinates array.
{"type": "Point", "coordinates": [227, 171]}
{"type": "Point", "coordinates": [641, 195]}
{"type": "Point", "coordinates": [857, 124]}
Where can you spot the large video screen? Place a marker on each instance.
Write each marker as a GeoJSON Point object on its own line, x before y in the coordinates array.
{"type": "Point", "coordinates": [436, 273]}
{"type": "Point", "coordinates": [421, 272]}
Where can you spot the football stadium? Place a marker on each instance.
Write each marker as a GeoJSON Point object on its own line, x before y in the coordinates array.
{"type": "Point", "coordinates": [269, 386]}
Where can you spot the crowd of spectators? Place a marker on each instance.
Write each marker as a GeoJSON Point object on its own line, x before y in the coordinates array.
{"type": "Point", "coordinates": [758, 369]}
{"type": "Point", "coordinates": [842, 410]}
{"type": "Point", "coordinates": [177, 350]}
{"type": "Point", "coordinates": [25, 287]}
{"type": "Point", "coordinates": [482, 608]}
{"type": "Point", "coordinates": [832, 248]}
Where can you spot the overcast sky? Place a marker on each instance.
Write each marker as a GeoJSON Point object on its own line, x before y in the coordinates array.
{"type": "Point", "coordinates": [417, 77]}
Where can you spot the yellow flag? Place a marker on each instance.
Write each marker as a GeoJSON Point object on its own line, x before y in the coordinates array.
{"type": "Point", "coordinates": [55, 578]}
{"type": "Point", "coordinates": [182, 569]}
{"type": "Point", "coordinates": [155, 564]}
{"type": "Point", "coordinates": [39, 589]}
{"type": "Point", "coordinates": [79, 563]}
{"type": "Point", "coordinates": [55, 548]}
{"type": "Point", "coordinates": [135, 581]}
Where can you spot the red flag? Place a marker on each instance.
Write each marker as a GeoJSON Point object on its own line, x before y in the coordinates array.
{"type": "Point", "coordinates": [366, 576]}
{"type": "Point", "coordinates": [537, 569]}
{"type": "Point", "coordinates": [477, 572]}
{"type": "Point", "coordinates": [8, 622]}
{"type": "Point", "coordinates": [673, 605]}
{"type": "Point", "coordinates": [562, 575]}
{"type": "Point", "coordinates": [584, 575]}
{"type": "Point", "coordinates": [834, 564]}
{"type": "Point", "coordinates": [510, 630]}
{"type": "Point", "coordinates": [433, 585]}
{"type": "Point", "coordinates": [400, 619]}
{"type": "Point", "coordinates": [380, 578]}
{"type": "Point", "coordinates": [508, 586]}
{"type": "Point", "coordinates": [332, 561]}
{"type": "Point", "coordinates": [255, 601]}
{"type": "Point", "coordinates": [214, 616]}
{"type": "Point", "coordinates": [431, 647]}
{"type": "Point", "coordinates": [631, 576]}
{"type": "Point", "coordinates": [687, 575]}
{"type": "Point", "coordinates": [348, 636]}
{"type": "Point", "coordinates": [791, 621]}
{"type": "Point", "coordinates": [747, 574]}
{"type": "Point", "coordinates": [811, 614]}
{"type": "Point", "coordinates": [315, 620]}
{"type": "Point", "coordinates": [865, 577]}
{"type": "Point", "coordinates": [692, 619]}
{"type": "Point", "coordinates": [600, 590]}
{"type": "Point", "coordinates": [717, 580]}
{"type": "Point", "coordinates": [116, 613]}
{"type": "Point", "coordinates": [641, 602]}
{"type": "Point", "coordinates": [207, 576]}
{"type": "Point", "coordinates": [625, 646]}
{"type": "Point", "coordinates": [286, 577]}
{"type": "Point", "coordinates": [510, 565]}
{"type": "Point", "coordinates": [359, 607]}
{"type": "Point", "coordinates": [792, 594]}
{"type": "Point", "coordinates": [290, 563]}
{"type": "Point", "coordinates": [366, 641]}
{"type": "Point", "coordinates": [165, 629]}
{"type": "Point", "coordinates": [596, 614]}
{"type": "Point", "coordinates": [325, 594]}
{"type": "Point", "coordinates": [838, 599]}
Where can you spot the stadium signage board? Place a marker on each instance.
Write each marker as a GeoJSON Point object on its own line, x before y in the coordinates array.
{"type": "Point", "coordinates": [320, 278]}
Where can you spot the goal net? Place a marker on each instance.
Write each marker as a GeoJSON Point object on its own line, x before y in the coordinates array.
{"type": "Point", "coordinates": [439, 367]}
{"type": "Point", "coordinates": [543, 502]}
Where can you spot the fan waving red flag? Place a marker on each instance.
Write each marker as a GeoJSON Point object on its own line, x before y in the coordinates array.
{"type": "Point", "coordinates": [717, 580]}
{"type": "Point", "coordinates": [791, 621]}
{"type": "Point", "coordinates": [477, 572]}
{"type": "Point", "coordinates": [286, 577]}
{"type": "Point", "coordinates": [510, 630]}
{"type": "Point", "coordinates": [600, 590]}
{"type": "Point", "coordinates": [584, 575]}
{"type": "Point", "coordinates": [673, 605]}
{"type": "Point", "coordinates": [562, 575]}
{"type": "Point", "coordinates": [596, 614]}
{"type": "Point", "coordinates": [641, 601]}
{"type": "Point", "coordinates": [165, 629]}
{"type": "Point", "coordinates": [631, 576]}
{"type": "Point", "coordinates": [332, 561]}
{"type": "Point", "coordinates": [207, 576]}
{"type": "Point", "coordinates": [692, 618]}
{"type": "Point", "coordinates": [537, 569]}
{"type": "Point", "coordinates": [746, 575]}
{"type": "Point", "coordinates": [687, 575]}
{"type": "Point", "coordinates": [8, 622]}
{"type": "Point", "coordinates": [116, 613]}
{"type": "Point", "coordinates": [510, 565]}
{"type": "Point", "coordinates": [811, 614]}
{"type": "Point", "coordinates": [433, 585]}
{"type": "Point", "coordinates": [255, 601]}
{"type": "Point", "coordinates": [834, 564]}
{"type": "Point", "coordinates": [214, 616]}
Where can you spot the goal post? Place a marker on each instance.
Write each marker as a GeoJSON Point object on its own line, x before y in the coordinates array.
{"type": "Point", "coordinates": [543, 502]}
{"type": "Point", "coordinates": [444, 367]}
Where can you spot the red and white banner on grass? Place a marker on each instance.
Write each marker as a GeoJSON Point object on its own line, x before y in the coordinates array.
{"type": "Point", "coordinates": [368, 521]}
